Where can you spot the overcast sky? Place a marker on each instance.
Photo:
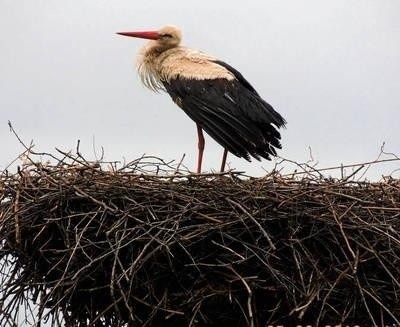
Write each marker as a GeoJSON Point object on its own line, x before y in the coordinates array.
{"type": "Point", "coordinates": [331, 68]}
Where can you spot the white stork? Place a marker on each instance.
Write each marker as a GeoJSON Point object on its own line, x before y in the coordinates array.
{"type": "Point", "coordinates": [212, 93]}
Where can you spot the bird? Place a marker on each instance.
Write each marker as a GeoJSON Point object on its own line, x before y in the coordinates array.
{"type": "Point", "coordinates": [212, 93]}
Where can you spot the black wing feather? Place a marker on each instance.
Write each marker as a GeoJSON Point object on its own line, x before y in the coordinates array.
{"type": "Point", "coordinates": [231, 112]}
{"type": "Point", "coordinates": [276, 117]}
{"type": "Point", "coordinates": [238, 75]}
{"type": "Point", "coordinates": [221, 132]}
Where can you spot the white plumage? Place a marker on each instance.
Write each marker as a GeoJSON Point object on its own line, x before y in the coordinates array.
{"type": "Point", "coordinates": [159, 62]}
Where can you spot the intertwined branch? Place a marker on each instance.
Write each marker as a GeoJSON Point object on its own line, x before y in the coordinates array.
{"type": "Point", "coordinates": [148, 245]}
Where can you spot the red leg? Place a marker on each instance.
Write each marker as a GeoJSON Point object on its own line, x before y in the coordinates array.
{"type": "Point", "coordinates": [201, 148]}
{"type": "Point", "coordinates": [224, 160]}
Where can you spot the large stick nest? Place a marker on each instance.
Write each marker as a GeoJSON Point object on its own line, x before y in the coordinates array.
{"type": "Point", "coordinates": [82, 243]}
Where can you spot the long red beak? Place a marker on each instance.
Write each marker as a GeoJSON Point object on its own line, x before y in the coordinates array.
{"type": "Point", "coordinates": [152, 35]}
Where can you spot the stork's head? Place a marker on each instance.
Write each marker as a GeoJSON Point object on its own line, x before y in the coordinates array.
{"type": "Point", "coordinates": [168, 36]}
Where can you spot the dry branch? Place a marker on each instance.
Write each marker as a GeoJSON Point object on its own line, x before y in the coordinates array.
{"type": "Point", "coordinates": [136, 245]}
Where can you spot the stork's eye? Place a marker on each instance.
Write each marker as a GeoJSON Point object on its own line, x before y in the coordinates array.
{"type": "Point", "coordinates": [166, 36]}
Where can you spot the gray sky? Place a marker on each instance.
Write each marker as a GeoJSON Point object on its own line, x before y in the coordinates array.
{"type": "Point", "coordinates": [331, 68]}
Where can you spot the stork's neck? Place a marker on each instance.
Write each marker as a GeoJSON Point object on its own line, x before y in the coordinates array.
{"type": "Point", "coordinates": [149, 63]}
{"type": "Point", "coordinates": [155, 48]}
